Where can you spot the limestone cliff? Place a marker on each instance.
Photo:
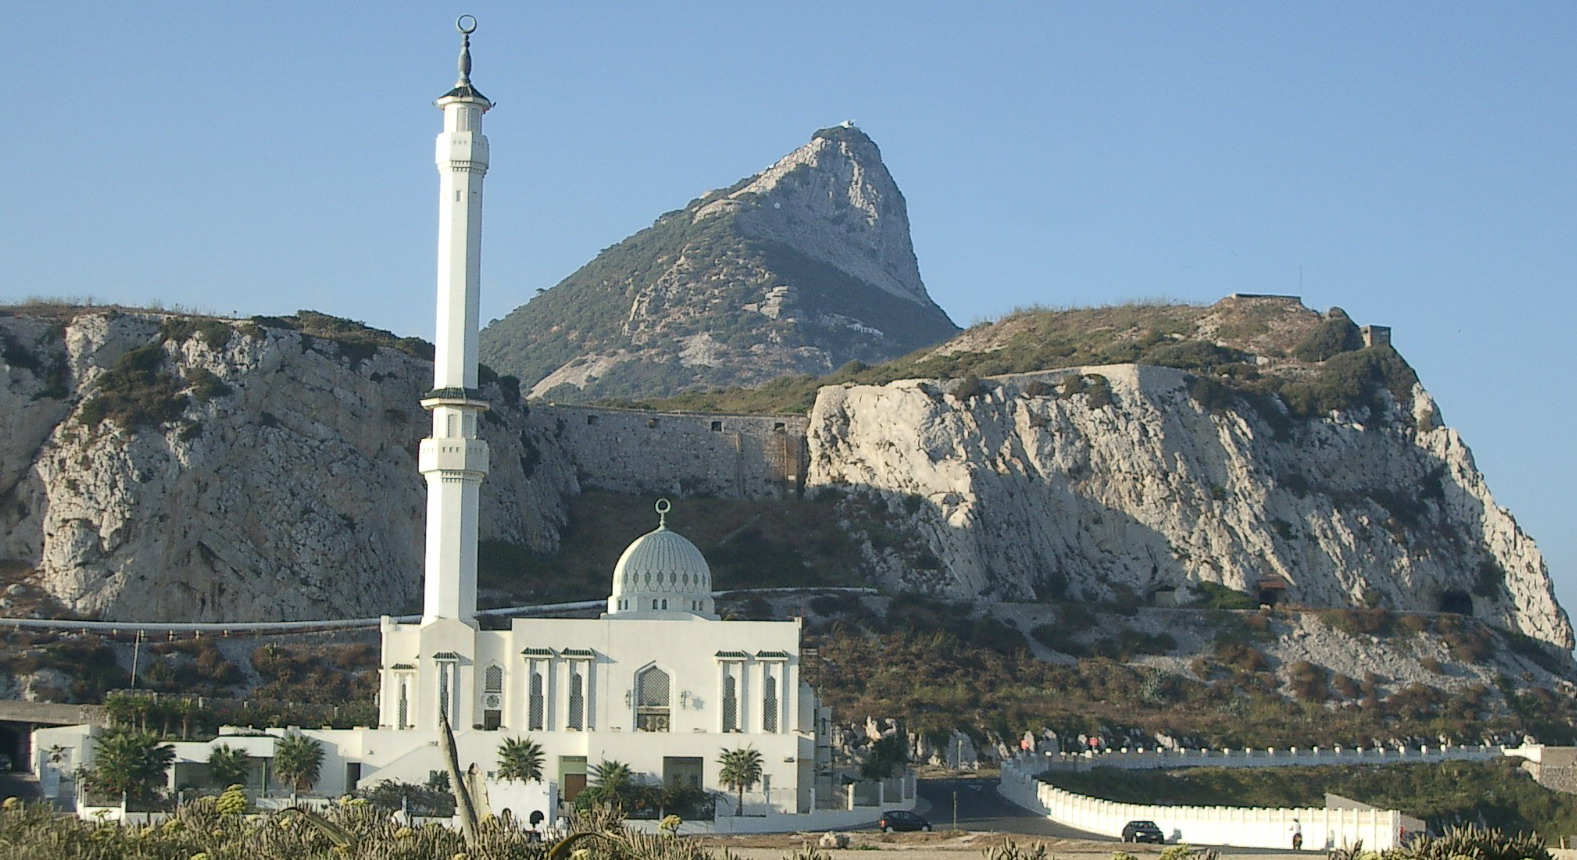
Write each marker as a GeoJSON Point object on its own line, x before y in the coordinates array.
{"type": "Point", "coordinates": [1124, 485]}
{"type": "Point", "coordinates": [156, 467]}
{"type": "Point", "coordinates": [797, 270]}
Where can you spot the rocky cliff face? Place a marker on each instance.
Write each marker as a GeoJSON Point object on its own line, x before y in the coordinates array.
{"type": "Point", "coordinates": [158, 467]}
{"type": "Point", "coordinates": [1130, 488]}
{"type": "Point", "coordinates": [153, 468]}
{"type": "Point", "coordinates": [800, 269]}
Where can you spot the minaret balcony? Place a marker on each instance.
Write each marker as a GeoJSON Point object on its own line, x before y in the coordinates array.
{"type": "Point", "coordinates": [465, 398]}
{"type": "Point", "coordinates": [453, 454]}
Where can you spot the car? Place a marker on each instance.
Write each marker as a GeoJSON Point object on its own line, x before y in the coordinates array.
{"type": "Point", "coordinates": [901, 819]}
{"type": "Point", "coordinates": [1143, 831]}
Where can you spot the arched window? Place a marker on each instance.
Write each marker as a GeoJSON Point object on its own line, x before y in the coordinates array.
{"type": "Point", "coordinates": [730, 704]}
{"type": "Point", "coordinates": [403, 717]}
{"type": "Point", "coordinates": [577, 700]}
{"type": "Point", "coordinates": [493, 698]}
{"type": "Point", "coordinates": [651, 700]}
{"type": "Point", "coordinates": [537, 711]}
{"type": "Point", "coordinates": [769, 704]}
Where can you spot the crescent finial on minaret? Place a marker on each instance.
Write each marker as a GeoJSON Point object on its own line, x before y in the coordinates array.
{"type": "Point", "coordinates": [466, 24]}
{"type": "Point", "coordinates": [463, 89]}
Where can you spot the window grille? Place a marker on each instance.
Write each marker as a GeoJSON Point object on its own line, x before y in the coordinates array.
{"type": "Point", "coordinates": [651, 700]}
{"type": "Point", "coordinates": [495, 680]}
{"type": "Point", "coordinates": [403, 718]}
{"type": "Point", "coordinates": [769, 705]}
{"type": "Point", "coordinates": [577, 701]}
{"type": "Point", "coordinates": [730, 704]}
{"type": "Point", "coordinates": [537, 712]}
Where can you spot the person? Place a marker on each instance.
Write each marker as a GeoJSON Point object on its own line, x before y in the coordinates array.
{"type": "Point", "coordinates": [1297, 834]}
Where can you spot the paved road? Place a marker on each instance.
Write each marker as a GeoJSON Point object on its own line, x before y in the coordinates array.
{"type": "Point", "coordinates": [981, 808]}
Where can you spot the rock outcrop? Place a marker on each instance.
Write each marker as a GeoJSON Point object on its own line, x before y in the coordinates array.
{"type": "Point", "coordinates": [235, 471]}
{"type": "Point", "coordinates": [797, 270]}
{"type": "Point", "coordinates": [1013, 487]}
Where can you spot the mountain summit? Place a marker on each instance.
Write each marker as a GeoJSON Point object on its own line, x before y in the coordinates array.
{"type": "Point", "coordinates": [801, 268]}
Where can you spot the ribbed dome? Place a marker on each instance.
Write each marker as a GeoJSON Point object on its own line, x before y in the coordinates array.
{"type": "Point", "coordinates": [662, 573]}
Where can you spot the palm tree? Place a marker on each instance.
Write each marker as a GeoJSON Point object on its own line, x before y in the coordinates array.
{"type": "Point", "coordinates": [611, 782]}
{"type": "Point", "coordinates": [298, 760]}
{"type": "Point", "coordinates": [129, 763]}
{"type": "Point", "coordinates": [228, 765]}
{"type": "Point", "coordinates": [741, 770]}
{"type": "Point", "coordinates": [520, 759]}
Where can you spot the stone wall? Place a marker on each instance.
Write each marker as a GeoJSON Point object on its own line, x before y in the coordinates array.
{"type": "Point", "coordinates": [685, 454]}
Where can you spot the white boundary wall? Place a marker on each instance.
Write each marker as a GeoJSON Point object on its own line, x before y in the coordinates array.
{"type": "Point", "coordinates": [1244, 827]}
{"type": "Point", "coordinates": [1156, 758]}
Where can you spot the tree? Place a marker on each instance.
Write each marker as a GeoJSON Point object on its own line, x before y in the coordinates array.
{"type": "Point", "coordinates": [741, 770]}
{"type": "Point", "coordinates": [611, 782]}
{"type": "Point", "coordinates": [298, 760]}
{"type": "Point", "coordinates": [520, 759]}
{"type": "Point", "coordinates": [228, 765]}
{"type": "Point", "coordinates": [129, 763]}
{"type": "Point", "coordinates": [612, 775]}
{"type": "Point", "coordinates": [887, 757]}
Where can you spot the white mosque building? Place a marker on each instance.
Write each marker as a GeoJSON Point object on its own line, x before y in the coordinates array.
{"type": "Point", "coordinates": [659, 682]}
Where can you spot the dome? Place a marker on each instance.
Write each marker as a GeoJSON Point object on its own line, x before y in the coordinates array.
{"type": "Point", "coordinates": [661, 574]}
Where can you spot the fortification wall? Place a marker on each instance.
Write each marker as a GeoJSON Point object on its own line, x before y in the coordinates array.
{"type": "Point", "coordinates": [644, 452]}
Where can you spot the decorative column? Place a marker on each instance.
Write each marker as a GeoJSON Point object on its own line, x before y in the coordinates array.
{"type": "Point", "coordinates": [453, 460]}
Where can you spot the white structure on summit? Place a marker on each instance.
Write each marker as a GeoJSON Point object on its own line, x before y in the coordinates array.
{"type": "Point", "coordinates": [453, 459]}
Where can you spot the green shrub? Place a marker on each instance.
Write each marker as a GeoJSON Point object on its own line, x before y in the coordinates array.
{"type": "Point", "coordinates": [1211, 395]}
{"type": "Point", "coordinates": [135, 392]}
{"type": "Point", "coordinates": [1308, 681]}
{"type": "Point", "coordinates": [1214, 595]}
{"type": "Point", "coordinates": [1359, 622]}
{"type": "Point", "coordinates": [1336, 334]}
{"type": "Point", "coordinates": [967, 389]}
{"type": "Point", "coordinates": [205, 384]}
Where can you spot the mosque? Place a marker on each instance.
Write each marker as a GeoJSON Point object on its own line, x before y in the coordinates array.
{"type": "Point", "coordinates": [659, 682]}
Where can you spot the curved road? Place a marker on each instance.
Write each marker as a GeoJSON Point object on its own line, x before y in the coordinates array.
{"type": "Point", "coordinates": [980, 807]}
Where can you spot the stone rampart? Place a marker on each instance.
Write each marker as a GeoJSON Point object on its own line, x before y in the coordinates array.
{"type": "Point", "coordinates": [645, 452]}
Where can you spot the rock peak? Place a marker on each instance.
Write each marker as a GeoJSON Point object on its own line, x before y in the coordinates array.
{"type": "Point", "coordinates": [834, 200]}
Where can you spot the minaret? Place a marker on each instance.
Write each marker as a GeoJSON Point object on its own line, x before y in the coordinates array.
{"type": "Point", "coordinates": [453, 459]}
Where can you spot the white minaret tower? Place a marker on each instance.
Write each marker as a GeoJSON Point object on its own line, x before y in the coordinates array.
{"type": "Point", "coordinates": [453, 459]}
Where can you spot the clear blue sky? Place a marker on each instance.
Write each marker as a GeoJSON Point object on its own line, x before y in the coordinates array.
{"type": "Point", "coordinates": [1414, 161]}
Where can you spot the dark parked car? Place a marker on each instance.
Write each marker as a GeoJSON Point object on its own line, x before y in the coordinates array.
{"type": "Point", "coordinates": [1143, 831]}
{"type": "Point", "coordinates": [899, 819]}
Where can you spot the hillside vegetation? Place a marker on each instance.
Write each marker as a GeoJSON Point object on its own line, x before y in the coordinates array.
{"type": "Point", "coordinates": [1254, 348]}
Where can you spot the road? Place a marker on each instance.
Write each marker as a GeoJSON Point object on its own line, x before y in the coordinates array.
{"type": "Point", "coordinates": [980, 808]}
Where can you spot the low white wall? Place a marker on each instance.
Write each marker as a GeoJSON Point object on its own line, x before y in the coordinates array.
{"type": "Point", "coordinates": [1244, 827]}
{"type": "Point", "coordinates": [1140, 759]}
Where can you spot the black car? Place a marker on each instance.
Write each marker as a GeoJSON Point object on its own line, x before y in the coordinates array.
{"type": "Point", "coordinates": [1143, 831]}
{"type": "Point", "coordinates": [900, 819]}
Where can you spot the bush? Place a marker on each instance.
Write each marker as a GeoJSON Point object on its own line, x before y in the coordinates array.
{"type": "Point", "coordinates": [1335, 335]}
{"type": "Point", "coordinates": [135, 392]}
{"type": "Point", "coordinates": [1307, 681]}
{"type": "Point", "coordinates": [205, 385]}
{"type": "Point", "coordinates": [967, 389]}
{"type": "Point", "coordinates": [1214, 595]}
